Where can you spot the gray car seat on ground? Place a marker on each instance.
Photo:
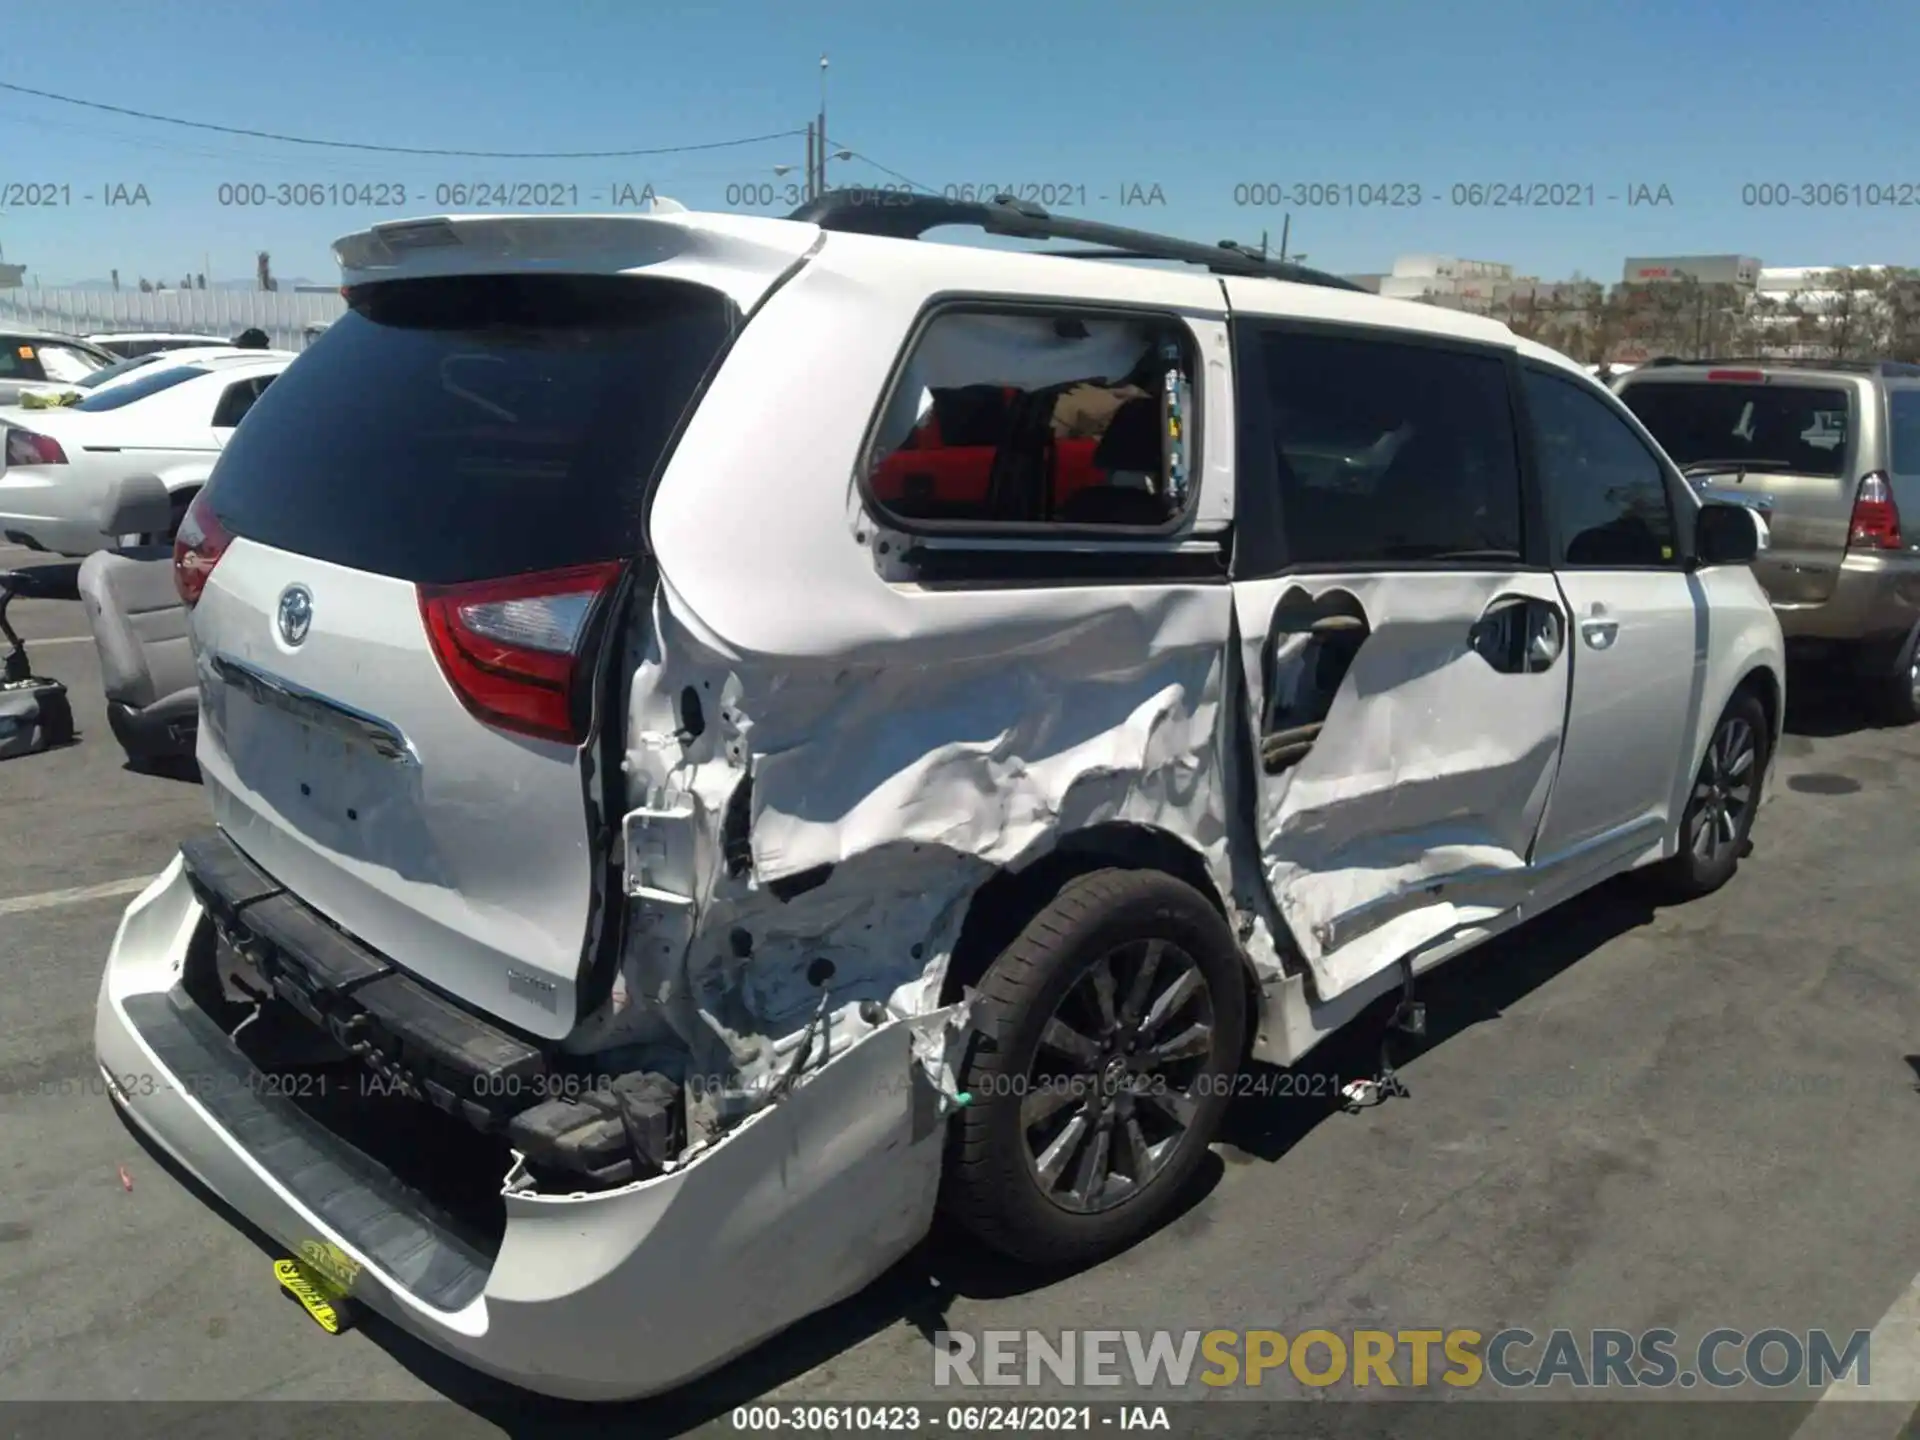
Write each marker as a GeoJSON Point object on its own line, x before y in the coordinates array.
{"type": "Point", "coordinates": [140, 628]}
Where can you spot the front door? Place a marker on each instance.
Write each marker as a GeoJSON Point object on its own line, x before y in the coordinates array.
{"type": "Point", "coordinates": [1405, 654]}
{"type": "Point", "coordinates": [1639, 642]}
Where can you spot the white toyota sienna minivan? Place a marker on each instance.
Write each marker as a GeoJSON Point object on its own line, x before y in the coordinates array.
{"type": "Point", "coordinates": [726, 736]}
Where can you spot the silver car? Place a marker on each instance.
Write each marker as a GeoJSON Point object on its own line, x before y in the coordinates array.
{"type": "Point", "coordinates": [1829, 453]}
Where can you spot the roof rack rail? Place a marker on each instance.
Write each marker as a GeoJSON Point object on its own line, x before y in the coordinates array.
{"type": "Point", "coordinates": [1887, 369]}
{"type": "Point", "coordinates": [908, 217]}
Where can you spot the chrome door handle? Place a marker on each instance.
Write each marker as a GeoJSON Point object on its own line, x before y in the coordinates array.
{"type": "Point", "coordinates": [1600, 634]}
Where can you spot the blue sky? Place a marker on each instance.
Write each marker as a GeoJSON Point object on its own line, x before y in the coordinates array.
{"type": "Point", "coordinates": [1197, 99]}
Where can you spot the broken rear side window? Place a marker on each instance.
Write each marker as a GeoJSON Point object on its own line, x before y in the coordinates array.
{"type": "Point", "coordinates": [1037, 419]}
{"type": "Point", "coordinates": [1392, 453]}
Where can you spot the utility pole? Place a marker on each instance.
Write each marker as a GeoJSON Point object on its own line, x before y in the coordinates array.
{"type": "Point", "coordinates": [823, 126]}
{"type": "Point", "coordinates": [1286, 229]}
{"type": "Point", "coordinates": [812, 174]}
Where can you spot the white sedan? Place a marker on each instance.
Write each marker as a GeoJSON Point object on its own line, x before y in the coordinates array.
{"type": "Point", "coordinates": [130, 343]}
{"type": "Point", "coordinates": [42, 396]}
{"type": "Point", "coordinates": [59, 463]}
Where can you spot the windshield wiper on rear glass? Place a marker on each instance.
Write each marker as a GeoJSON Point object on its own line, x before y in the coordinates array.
{"type": "Point", "coordinates": [1708, 467]}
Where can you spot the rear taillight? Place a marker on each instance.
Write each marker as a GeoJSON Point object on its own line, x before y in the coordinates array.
{"type": "Point", "coordinates": [197, 547]}
{"type": "Point", "coordinates": [25, 447]}
{"type": "Point", "coordinates": [513, 650]}
{"type": "Point", "coordinates": [1876, 519]}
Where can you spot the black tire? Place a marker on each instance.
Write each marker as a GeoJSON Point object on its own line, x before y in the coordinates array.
{"type": "Point", "coordinates": [1108, 920]}
{"type": "Point", "coordinates": [1719, 807]}
{"type": "Point", "coordinates": [1900, 696]}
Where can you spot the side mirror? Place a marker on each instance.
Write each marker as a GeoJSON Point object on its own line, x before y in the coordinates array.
{"type": "Point", "coordinates": [1727, 534]}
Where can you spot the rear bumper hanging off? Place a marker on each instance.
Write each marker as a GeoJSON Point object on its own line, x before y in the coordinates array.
{"type": "Point", "coordinates": [613, 1295]}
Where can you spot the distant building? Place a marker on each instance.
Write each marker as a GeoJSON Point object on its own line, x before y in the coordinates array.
{"type": "Point", "coordinates": [1794, 297]}
{"type": "Point", "coordinates": [1439, 278]}
{"type": "Point", "coordinates": [1741, 270]}
{"type": "Point", "coordinates": [1485, 287]}
{"type": "Point", "coordinates": [1782, 282]}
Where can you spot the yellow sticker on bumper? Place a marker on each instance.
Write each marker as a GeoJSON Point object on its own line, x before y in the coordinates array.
{"type": "Point", "coordinates": [328, 1308]}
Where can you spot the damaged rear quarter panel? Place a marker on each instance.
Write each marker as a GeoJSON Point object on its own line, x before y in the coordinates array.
{"type": "Point", "coordinates": [895, 788]}
{"type": "Point", "coordinates": [912, 740]}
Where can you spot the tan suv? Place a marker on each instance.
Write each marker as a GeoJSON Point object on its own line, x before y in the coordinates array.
{"type": "Point", "coordinates": [1829, 453]}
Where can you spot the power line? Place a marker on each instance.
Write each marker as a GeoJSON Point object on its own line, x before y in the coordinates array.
{"type": "Point", "coordinates": [869, 160]}
{"type": "Point", "coordinates": [399, 149]}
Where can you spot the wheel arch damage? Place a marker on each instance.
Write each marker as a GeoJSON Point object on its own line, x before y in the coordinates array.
{"type": "Point", "coordinates": [820, 846]}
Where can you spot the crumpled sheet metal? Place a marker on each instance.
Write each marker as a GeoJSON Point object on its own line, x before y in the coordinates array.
{"type": "Point", "coordinates": [899, 788]}
{"type": "Point", "coordinates": [997, 755]}
{"type": "Point", "coordinates": [1430, 765]}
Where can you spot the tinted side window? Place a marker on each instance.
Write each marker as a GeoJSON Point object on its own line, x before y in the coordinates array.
{"type": "Point", "coordinates": [1023, 419]}
{"type": "Point", "coordinates": [19, 361]}
{"type": "Point", "coordinates": [236, 401]}
{"type": "Point", "coordinates": [1903, 415]}
{"type": "Point", "coordinates": [1606, 490]}
{"type": "Point", "coordinates": [1391, 452]}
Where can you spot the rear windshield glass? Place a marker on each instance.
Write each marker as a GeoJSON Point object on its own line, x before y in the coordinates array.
{"type": "Point", "coordinates": [1903, 414]}
{"type": "Point", "coordinates": [163, 377]}
{"type": "Point", "coordinates": [114, 372]}
{"type": "Point", "coordinates": [1799, 429]}
{"type": "Point", "coordinates": [470, 428]}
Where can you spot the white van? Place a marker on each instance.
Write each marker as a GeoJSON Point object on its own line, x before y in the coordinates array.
{"type": "Point", "coordinates": [726, 735]}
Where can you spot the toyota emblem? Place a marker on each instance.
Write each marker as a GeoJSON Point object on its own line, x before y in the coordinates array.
{"type": "Point", "coordinates": [296, 614]}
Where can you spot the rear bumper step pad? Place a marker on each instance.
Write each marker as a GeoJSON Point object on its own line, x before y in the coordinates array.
{"type": "Point", "coordinates": [352, 1194]}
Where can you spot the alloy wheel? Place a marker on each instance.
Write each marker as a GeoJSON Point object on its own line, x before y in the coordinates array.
{"type": "Point", "coordinates": [1119, 1075]}
{"type": "Point", "coordinates": [1724, 791]}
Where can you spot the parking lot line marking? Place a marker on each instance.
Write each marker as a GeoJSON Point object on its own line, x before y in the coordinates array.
{"type": "Point", "coordinates": [48, 899]}
{"type": "Point", "coordinates": [1894, 1351]}
{"type": "Point", "coordinates": [62, 640]}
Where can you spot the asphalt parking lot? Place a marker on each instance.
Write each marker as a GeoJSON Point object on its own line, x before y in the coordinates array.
{"type": "Point", "coordinates": [1625, 1117]}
